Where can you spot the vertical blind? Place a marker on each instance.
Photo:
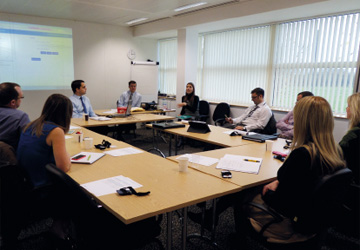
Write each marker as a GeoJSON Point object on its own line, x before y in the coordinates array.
{"type": "Point", "coordinates": [318, 55]}
{"type": "Point", "coordinates": [232, 63]}
{"type": "Point", "coordinates": [167, 56]}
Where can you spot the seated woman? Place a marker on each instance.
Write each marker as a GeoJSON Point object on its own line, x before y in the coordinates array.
{"type": "Point", "coordinates": [314, 154]}
{"type": "Point", "coordinates": [350, 143]}
{"type": "Point", "coordinates": [43, 140]}
{"type": "Point", "coordinates": [189, 102]}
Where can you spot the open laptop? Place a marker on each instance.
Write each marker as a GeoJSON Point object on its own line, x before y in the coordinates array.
{"type": "Point", "coordinates": [127, 113]}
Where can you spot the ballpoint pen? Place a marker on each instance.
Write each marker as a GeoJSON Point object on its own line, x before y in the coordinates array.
{"type": "Point", "coordinates": [251, 160]}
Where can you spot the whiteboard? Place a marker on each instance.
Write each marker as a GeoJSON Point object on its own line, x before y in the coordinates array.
{"type": "Point", "coordinates": [145, 74]}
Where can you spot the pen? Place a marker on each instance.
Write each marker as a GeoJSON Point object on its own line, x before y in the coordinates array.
{"type": "Point", "coordinates": [89, 157]}
{"type": "Point", "coordinates": [226, 116]}
{"type": "Point", "coordinates": [251, 160]}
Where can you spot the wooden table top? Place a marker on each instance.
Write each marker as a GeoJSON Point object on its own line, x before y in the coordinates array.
{"type": "Point", "coordinates": [170, 189]}
{"type": "Point", "coordinates": [216, 136]}
{"type": "Point", "coordinates": [103, 112]}
{"type": "Point", "coordinates": [268, 168]}
{"type": "Point", "coordinates": [121, 120]}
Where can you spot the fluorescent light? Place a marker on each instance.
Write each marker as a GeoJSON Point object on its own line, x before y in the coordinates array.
{"type": "Point", "coordinates": [137, 20]}
{"type": "Point", "coordinates": [190, 6]}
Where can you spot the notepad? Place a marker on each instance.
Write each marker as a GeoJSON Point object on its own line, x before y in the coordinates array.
{"type": "Point", "coordinates": [89, 157]}
{"type": "Point", "coordinates": [240, 163]}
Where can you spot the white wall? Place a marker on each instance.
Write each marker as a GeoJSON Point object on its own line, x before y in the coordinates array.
{"type": "Point", "coordinates": [100, 59]}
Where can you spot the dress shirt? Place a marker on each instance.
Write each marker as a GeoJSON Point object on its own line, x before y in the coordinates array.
{"type": "Point", "coordinates": [78, 109]}
{"type": "Point", "coordinates": [257, 120]}
{"type": "Point", "coordinates": [286, 125]}
{"type": "Point", "coordinates": [124, 99]}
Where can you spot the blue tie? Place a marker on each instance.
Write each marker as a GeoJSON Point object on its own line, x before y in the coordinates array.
{"type": "Point", "coordinates": [82, 102]}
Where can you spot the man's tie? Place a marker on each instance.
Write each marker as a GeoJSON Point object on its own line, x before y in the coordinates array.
{"type": "Point", "coordinates": [82, 102]}
{"type": "Point", "coordinates": [130, 98]}
{"type": "Point", "coordinates": [250, 114]}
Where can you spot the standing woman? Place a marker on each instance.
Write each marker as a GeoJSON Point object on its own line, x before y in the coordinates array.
{"type": "Point", "coordinates": [43, 140]}
{"type": "Point", "coordinates": [314, 154]}
{"type": "Point", "coordinates": [350, 143]}
{"type": "Point", "coordinates": [189, 102]}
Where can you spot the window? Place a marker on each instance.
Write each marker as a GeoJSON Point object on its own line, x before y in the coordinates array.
{"type": "Point", "coordinates": [318, 55]}
{"type": "Point", "coordinates": [167, 57]}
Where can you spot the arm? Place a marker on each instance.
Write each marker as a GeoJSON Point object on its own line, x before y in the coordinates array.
{"type": "Point", "coordinates": [137, 101]}
{"type": "Point", "coordinates": [122, 100]}
{"type": "Point", "coordinates": [91, 111]}
{"type": "Point", "coordinates": [76, 108]}
{"type": "Point", "coordinates": [284, 124]}
{"type": "Point", "coordinates": [56, 139]}
{"type": "Point", "coordinates": [263, 116]}
{"type": "Point", "coordinates": [240, 118]}
{"type": "Point", "coordinates": [271, 186]}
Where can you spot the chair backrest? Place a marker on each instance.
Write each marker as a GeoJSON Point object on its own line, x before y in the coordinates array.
{"type": "Point", "coordinates": [204, 108]}
{"type": "Point", "coordinates": [326, 202]}
{"type": "Point", "coordinates": [72, 189]}
{"type": "Point", "coordinates": [220, 111]}
{"type": "Point", "coordinates": [7, 154]}
{"type": "Point", "coordinates": [270, 127]}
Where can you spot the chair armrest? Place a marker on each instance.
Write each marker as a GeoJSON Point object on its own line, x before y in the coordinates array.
{"type": "Point", "coordinates": [220, 121]}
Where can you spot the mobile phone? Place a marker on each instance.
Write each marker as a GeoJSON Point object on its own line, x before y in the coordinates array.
{"type": "Point", "coordinates": [78, 157]}
{"type": "Point", "coordinates": [226, 174]}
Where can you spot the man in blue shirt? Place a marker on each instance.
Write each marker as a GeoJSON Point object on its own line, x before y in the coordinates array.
{"type": "Point", "coordinates": [81, 103]}
{"type": "Point", "coordinates": [131, 95]}
{"type": "Point", "coordinates": [12, 120]}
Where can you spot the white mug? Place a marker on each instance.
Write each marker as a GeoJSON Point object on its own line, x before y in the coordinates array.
{"type": "Point", "coordinates": [183, 163]}
{"type": "Point", "coordinates": [88, 142]}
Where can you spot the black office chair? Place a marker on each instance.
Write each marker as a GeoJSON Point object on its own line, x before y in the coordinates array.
{"type": "Point", "coordinates": [270, 127]}
{"type": "Point", "coordinates": [221, 111]}
{"type": "Point", "coordinates": [204, 110]}
{"type": "Point", "coordinates": [320, 213]}
{"type": "Point", "coordinates": [99, 228]}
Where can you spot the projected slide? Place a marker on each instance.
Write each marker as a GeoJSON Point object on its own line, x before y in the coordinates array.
{"type": "Point", "coordinates": [36, 56]}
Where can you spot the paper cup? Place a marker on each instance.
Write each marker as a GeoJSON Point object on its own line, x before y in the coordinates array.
{"type": "Point", "coordinates": [269, 145]}
{"type": "Point", "coordinates": [88, 142]}
{"type": "Point", "coordinates": [183, 163]}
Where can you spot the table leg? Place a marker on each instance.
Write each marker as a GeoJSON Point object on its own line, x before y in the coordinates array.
{"type": "Point", "coordinates": [169, 231]}
{"type": "Point", "coordinates": [184, 228]}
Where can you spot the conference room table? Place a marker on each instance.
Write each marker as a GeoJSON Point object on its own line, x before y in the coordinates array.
{"type": "Point", "coordinates": [170, 189]}
{"type": "Point", "coordinates": [268, 169]}
{"type": "Point", "coordinates": [148, 117]}
{"type": "Point", "coordinates": [216, 136]}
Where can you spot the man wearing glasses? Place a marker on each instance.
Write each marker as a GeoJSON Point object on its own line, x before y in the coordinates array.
{"type": "Point", "coordinates": [12, 120]}
{"type": "Point", "coordinates": [256, 116]}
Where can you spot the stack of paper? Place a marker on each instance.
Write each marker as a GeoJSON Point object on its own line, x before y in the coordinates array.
{"type": "Point", "coordinates": [240, 163]}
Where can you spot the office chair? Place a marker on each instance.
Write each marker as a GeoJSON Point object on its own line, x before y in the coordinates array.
{"type": "Point", "coordinates": [221, 111]}
{"type": "Point", "coordinates": [320, 213]}
{"type": "Point", "coordinates": [204, 110]}
{"type": "Point", "coordinates": [98, 228]}
{"type": "Point", "coordinates": [270, 127]}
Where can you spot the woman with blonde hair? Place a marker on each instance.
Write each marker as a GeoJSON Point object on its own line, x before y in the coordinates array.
{"type": "Point", "coordinates": [314, 154]}
{"type": "Point", "coordinates": [350, 143]}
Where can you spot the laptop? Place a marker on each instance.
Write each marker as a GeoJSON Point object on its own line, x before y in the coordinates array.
{"type": "Point", "coordinates": [127, 113]}
{"type": "Point", "coordinates": [165, 125]}
{"type": "Point", "coordinates": [198, 127]}
{"type": "Point", "coordinates": [259, 137]}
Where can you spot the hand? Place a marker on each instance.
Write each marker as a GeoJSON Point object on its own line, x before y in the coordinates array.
{"type": "Point", "coordinates": [272, 186]}
{"type": "Point", "coordinates": [239, 127]}
{"type": "Point", "coordinates": [229, 120]}
{"type": "Point", "coordinates": [180, 105]}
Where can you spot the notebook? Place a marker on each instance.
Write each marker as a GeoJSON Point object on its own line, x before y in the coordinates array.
{"type": "Point", "coordinates": [86, 157]}
{"type": "Point", "coordinates": [168, 125]}
{"type": "Point", "coordinates": [259, 137]}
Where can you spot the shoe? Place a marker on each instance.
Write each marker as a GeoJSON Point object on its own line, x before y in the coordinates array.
{"type": "Point", "coordinates": [197, 218]}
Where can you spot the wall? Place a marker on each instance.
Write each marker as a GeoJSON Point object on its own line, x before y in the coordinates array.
{"type": "Point", "coordinates": [341, 125]}
{"type": "Point", "coordinates": [100, 59]}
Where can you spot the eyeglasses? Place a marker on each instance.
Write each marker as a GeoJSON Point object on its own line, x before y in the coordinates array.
{"type": "Point", "coordinates": [21, 97]}
{"type": "Point", "coordinates": [254, 97]}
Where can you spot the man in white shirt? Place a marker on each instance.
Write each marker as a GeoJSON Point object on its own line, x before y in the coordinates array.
{"type": "Point", "coordinates": [130, 95]}
{"type": "Point", "coordinates": [256, 116]}
{"type": "Point", "coordinates": [81, 103]}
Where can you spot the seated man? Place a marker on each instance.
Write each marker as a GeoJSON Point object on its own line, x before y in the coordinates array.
{"type": "Point", "coordinates": [256, 116]}
{"type": "Point", "coordinates": [130, 95]}
{"type": "Point", "coordinates": [12, 120]}
{"type": "Point", "coordinates": [286, 124]}
{"type": "Point", "coordinates": [81, 103]}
